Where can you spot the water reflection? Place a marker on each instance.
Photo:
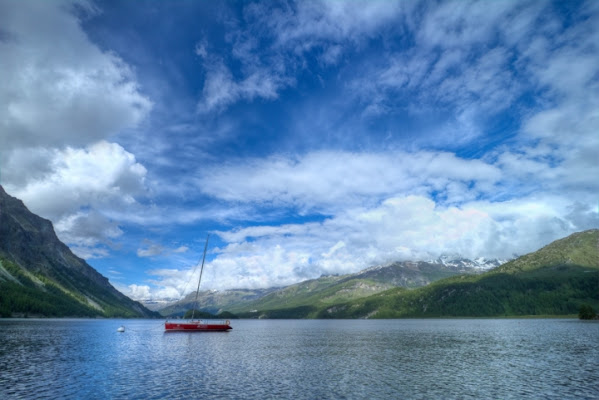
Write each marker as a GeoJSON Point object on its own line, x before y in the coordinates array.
{"type": "Point", "coordinates": [301, 359]}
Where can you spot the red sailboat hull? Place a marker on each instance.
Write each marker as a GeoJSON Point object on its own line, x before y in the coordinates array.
{"type": "Point", "coordinates": [197, 326]}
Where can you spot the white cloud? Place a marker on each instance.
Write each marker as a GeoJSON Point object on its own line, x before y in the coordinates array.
{"type": "Point", "coordinates": [57, 87]}
{"type": "Point", "coordinates": [221, 89]}
{"type": "Point", "coordinates": [172, 283]}
{"type": "Point", "coordinates": [61, 97]}
{"type": "Point", "coordinates": [181, 249]}
{"type": "Point", "coordinates": [65, 100]}
{"type": "Point", "coordinates": [400, 228]}
{"type": "Point", "coordinates": [78, 189]}
{"type": "Point", "coordinates": [326, 23]}
{"type": "Point", "coordinates": [289, 33]}
{"type": "Point", "coordinates": [476, 60]}
{"type": "Point", "coordinates": [200, 49]}
{"type": "Point", "coordinates": [331, 180]}
{"type": "Point", "coordinates": [150, 251]}
{"type": "Point", "coordinates": [103, 174]}
{"type": "Point", "coordinates": [457, 23]}
{"type": "Point", "coordinates": [140, 292]}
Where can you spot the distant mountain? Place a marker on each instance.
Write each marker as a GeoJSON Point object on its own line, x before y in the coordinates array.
{"type": "Point", "coordinates": [326, 290]}
{"type": "Point", "coordinates": [40, 276]}
{"type": "Point", "coordinates": [555, 280]}
{"type": "Point", "coordinates": [213, 301]}
{"type": "Point", "coordinates": [480, 264]}
{"type": "Point", "coordinates": [412, 274]}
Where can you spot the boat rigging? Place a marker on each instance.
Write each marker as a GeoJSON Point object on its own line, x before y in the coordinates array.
{"type": "Point", "coordinates": [199, 325]}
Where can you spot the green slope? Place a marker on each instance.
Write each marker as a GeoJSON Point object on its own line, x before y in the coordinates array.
{"type": "Point", "coordinates": [307, 298]}
{"type": "Point", "coordinates": [555, 280]}
{"type": "Point", "coordinates": [23, 293]}
{"type": "Point", "coordinates": [302, 299]}
{"type": "Point", "coordinates": [40, 276]}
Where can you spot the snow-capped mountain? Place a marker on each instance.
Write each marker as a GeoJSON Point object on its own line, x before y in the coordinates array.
{"type": "Point", "coordinates": [480, 264]}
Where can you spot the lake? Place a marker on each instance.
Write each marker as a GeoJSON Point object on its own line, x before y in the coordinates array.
{"type": "Point", "coordinates": [301, 359]}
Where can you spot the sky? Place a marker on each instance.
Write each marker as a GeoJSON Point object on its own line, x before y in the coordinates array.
{"type": "Point", "coordinates": [306, 138]}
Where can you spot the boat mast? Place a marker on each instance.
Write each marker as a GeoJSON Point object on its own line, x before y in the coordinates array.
{"type": "Point", "coordinates": [195, 304]}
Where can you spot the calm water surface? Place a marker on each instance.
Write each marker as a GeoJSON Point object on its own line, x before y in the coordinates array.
{"type": "Point", "coordinates": [301, 359]}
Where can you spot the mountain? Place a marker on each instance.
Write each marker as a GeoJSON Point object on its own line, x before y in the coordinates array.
{"type": "Point", "coordinates": [40, 276]}
{"type": "Point", "coordinates": [213, 301]}
{"type": "Point", "coordinates": [306, 296]}
{"type": "Point", "coordinates": [480, 264]}
{"type": "Point", "coordinates": [555, 280]}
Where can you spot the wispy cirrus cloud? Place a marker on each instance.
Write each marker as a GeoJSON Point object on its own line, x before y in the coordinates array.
{"type": "Point", "coordinates": [221, 89]}
{"type": "Point", "coordinates": [287, 32]}
{"type": "Point", "coordinates": [153, 249]}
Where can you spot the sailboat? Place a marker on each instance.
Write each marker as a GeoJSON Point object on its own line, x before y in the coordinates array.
{"type": "Point", "coordinates": [198, 325]}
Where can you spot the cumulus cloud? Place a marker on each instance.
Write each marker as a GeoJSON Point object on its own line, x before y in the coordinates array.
{"type": "Point", "coordinates": [78, 189]}
{"type": "Point", "coordinates": [140, 292]}
{"type": "Point", "coordinates": [57, 87]}
{"type": "Point", "coordinates": [173, 284]}
{"type": "Point", "coordinates": [62, 97]}
{"type": "Point", "coordinates": [509, 205]}
{"type": "Point", "coordinates": [400, 228]}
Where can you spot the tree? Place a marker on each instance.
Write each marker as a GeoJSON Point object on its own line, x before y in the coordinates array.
{"type": "Point", "coordinates": [586, 312]}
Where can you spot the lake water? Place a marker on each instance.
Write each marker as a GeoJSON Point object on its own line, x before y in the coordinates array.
{"type": "Point", "coordinates": [301, 359]}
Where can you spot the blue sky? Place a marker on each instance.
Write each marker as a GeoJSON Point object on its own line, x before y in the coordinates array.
{"type": "Point", "coordinates": [307, 138]}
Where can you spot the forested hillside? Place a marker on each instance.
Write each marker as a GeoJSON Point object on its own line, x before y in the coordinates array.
{"type": "Point", "coordinates": [555, 280]}
{"type": "Point", "coordinates": [40, 276]}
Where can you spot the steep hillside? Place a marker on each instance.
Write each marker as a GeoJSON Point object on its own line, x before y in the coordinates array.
{"type": "Point", "coordinates": [554, 280]}
{"type": "Point", "coordinates": [579, 249]}
{"type": "Point", "coordinates": [39, 275]}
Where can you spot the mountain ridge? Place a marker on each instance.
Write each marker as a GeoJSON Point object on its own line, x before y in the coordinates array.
{"type": "Point", "coordinates": [554, 280]}
{"type": "Point", "coordinates": [329, 288]}
{"type": "Point", "coordinates": [40, 275]}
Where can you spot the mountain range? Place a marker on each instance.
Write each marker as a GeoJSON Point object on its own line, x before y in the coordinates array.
{"type": "Point", "coordinates": [40, 276]}
{"type": "Point", "coordinates": [555, 280]}
{"type": "Point", "coordinates": [332, 288]}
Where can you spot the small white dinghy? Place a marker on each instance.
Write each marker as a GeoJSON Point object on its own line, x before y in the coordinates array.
{"type": "Point", "coordinates": [121, 329]}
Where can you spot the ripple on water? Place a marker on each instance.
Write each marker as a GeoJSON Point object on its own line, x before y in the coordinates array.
{"type": "Point", "coordinates": [417, 359]}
